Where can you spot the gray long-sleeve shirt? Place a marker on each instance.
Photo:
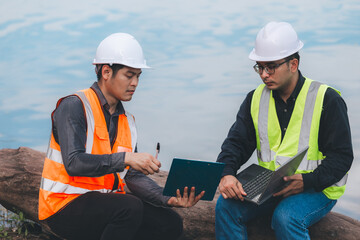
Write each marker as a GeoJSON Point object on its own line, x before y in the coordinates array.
{"type": "Point", "coordinates": [69, 128]}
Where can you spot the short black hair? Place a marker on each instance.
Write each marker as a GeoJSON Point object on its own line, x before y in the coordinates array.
{"type": "Point", "coordinates": [292, 56]}
{"type": "Point", "coordinates": [115, 68]}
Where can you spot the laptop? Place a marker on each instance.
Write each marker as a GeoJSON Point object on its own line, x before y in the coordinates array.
{"type": "Point", "coordinates": [203, 175]}
{"type": "Point", "coordinates": [260, 183]}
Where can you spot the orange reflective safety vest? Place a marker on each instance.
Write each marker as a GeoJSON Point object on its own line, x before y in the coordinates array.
{"type": "Point", "coordinates": [57, 188]}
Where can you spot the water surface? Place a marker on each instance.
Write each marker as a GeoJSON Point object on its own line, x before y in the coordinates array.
{"type": "Point", "coordinates": [199, 54]}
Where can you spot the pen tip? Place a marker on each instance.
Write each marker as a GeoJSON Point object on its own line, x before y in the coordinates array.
{"type": "Point", "coordinates": [158, 146]}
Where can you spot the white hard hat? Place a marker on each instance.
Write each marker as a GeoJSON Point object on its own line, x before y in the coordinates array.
{"type": "Point", "coordinates": [120, 48]}
{"type": "Point", "coordinates": [275, 41]}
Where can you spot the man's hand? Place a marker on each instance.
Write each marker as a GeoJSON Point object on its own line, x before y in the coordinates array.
{"type": "Point", "coordinates": [230, 187]}
{"type": "Point", "coordinates": [143, 162]}
{"type": "Point", "coordinates": [185, 201]}
{"type": "Point", "coordinates": [296, 186]}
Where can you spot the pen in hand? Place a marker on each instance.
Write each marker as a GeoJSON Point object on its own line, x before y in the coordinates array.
{"type": "Point", "coordinates": [157, 150]}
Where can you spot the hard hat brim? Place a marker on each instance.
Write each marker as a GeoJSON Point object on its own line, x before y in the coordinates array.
{"type": "Point", "coordinates": [253, 56]}
{"type": "Point", "coordinates": [142, 66]}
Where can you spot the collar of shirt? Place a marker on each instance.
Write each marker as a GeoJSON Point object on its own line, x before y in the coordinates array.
{"type": "Point", "coordinates": [119, 107]}
{"type": "Point", "coordinates": [296, 91]}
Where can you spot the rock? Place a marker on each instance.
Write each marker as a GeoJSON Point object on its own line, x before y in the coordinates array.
{"type": "Point", "coordinates": [20, 174]}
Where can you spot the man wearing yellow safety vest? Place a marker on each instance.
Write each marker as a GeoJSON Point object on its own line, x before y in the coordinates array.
{"type": "Point", "coordinates": [92, 155]}
{"type": "Point", "coordinates": [279, 118]}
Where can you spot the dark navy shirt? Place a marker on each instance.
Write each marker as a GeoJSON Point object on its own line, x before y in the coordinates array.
{"type": "Point", "coordinates": [69, 128]}
{"type": "Point", "coordinates": [334, 138]}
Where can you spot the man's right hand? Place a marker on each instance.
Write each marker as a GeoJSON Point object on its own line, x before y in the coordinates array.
{"type": "Point", "coordinates": [143, 162]}
{"type": "Point", "coordinates": [230, 187]}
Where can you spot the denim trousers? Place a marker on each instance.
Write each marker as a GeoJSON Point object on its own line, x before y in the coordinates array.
{"type": "Point", "coordinates": [291, 216]}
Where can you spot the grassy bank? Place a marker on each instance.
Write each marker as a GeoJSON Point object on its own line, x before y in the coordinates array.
{"type": "Point", "coordinates": [16, 226]}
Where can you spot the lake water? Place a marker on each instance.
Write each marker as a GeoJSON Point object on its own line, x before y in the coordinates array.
{"type": "Point", "coordinates": [201, 71]}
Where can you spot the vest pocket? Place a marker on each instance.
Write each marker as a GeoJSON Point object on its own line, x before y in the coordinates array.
{"type": "Point", "coordinates": [90, 182]}
{"type": "Point", "coordinates": [101, 133]}
{"type": "Point", "coordinates": [101, 143]}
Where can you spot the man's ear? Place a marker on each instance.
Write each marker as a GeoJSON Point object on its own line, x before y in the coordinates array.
{"type": "Point", "coordinates": [294, 64]}
{"type": "Point", "coordinates": [106, 72]}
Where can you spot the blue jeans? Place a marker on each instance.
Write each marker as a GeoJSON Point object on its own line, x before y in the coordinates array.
{"type": "Point", "coordinates": [290, 220]}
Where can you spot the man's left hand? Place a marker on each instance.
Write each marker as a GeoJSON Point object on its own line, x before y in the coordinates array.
{"type": "Point", "coordinates": [296, 185]}
{"type": "Point", "coordinates": [186, 200]}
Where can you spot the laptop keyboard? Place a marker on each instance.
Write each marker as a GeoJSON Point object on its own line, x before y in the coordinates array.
{"type": "Point", "coordinates": [254, 187]}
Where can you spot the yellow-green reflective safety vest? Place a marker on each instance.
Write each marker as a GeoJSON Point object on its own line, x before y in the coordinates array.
{"type": "Point", "coordinates": [302, 131]}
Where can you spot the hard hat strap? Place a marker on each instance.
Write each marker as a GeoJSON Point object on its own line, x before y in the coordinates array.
{"type": "Point", "coordinates": [98, 68]}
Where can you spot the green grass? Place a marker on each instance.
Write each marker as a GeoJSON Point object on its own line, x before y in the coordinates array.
{"type": "Point", "coordinates": [12, 224]}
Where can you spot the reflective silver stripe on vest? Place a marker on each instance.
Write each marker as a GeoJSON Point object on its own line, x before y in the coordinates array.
{"type": "Point", "coordinates": [307, 165]}
{"type": "Point", "coordinates": [308, 114]}
{"type": "Point", "coordinates": [57, 187]}
{"type": "Point", "coordinates": [133, 131]}
{"type": "Point", "coordinates": [265, 151]}
{"type": "Point", "coordinates": [313, 164]}
{"type": "Point", "coordinates": [90, 121]}
{"type": "Point", "coordinates": [54, 155]}
{"type": "Point", "coordinates": [132, 126]}
{"type": "Point", "coordinates": [342, 182]}
{"type": "Point", "coordinates": [280, 160]}
{"type": "Point", "coordinates": [266, 154]}
{"type": "Point", "coordinates": [304, 137]}
{"type": "Point", "coordinates": [91, 126]}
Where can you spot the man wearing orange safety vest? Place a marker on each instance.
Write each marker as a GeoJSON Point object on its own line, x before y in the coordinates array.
{"type": "Point", "coordinates": [92, 155]}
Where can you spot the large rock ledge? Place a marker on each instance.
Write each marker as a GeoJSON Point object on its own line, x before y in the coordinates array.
{"type": "Point", "coordinates": [20, 174]}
